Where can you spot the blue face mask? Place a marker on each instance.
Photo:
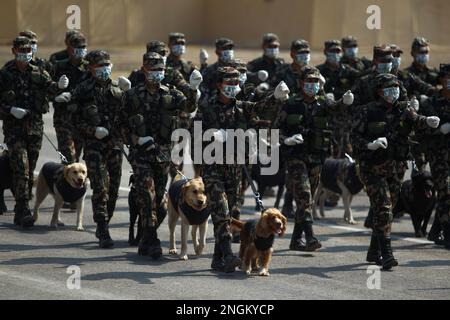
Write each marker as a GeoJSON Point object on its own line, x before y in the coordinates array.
{"type": "Point", "coordinates": [334, 57]}
{"type": "Point", "coordinates": [272, 52]}
{"type": "Point", "coordinates": [242, 78]}
{"type": "Point", "coordinates": [24, 57]}
{"type": "Point", "coordinates": [34, 48]}
{"type": "Point", "coordinates": [231, 91]}
{"type": "Point", "coordinates": [79, 53]}
{"type": "Point", "coordinates": [178, 49]}
{"type": "Point", "coordinates": [311, 88]}
{"type": "Point", "coordinates": [156, 76]}
{"type": "Point", "coordinates": [351, 52]}
{"type": "Point", "coordinates": [396, 62]}
{"type": "Point", "coordinates": [383, 68]}
{"type": "Point", "coordinates": [423, 58]}
{"type": "Point", "coordinates": [103, 73]}
{"type": "Point", "coordinates": [392, 94]}
{"type": "Point", "coordinates": [227, 55]}
{"type": "Point", "coordinates": [303, 59]}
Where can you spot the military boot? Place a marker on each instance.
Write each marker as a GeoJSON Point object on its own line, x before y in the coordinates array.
{"type": "Point", "coordinates": [374, 253]}
{"type": "Point", "coordinates": [22, 216]}
{"type": "Point", "coordinates": [312, 244]}
{"type": "Point", "coordinates": [230, 261]}
{"type": "Point", "coordinates": [288, 208]}
{"type": "Point", "coordinates": [368, 223]}
{"type": "Point", "coordinates": [150, 244]}
{"type": "Point", "coordinates": [387, 258]}
{"type": "Point", "coordinates": [104, 238]}
{"type": "Point", "coordinates": [218, 264]}
{"type": "Point", "coordinates": [435, 233]}
{"type": "Point", "coordinates": [297, 243]}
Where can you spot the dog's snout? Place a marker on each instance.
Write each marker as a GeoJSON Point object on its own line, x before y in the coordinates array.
{"type": "Point", "coordinates": [80, 181]}
{"type": "Point", "coordinates": [278, 224]}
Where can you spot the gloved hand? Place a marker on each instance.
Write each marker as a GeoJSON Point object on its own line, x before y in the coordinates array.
{"type": "Point", "coordinates": [220, 135]}
{"type": "Point", "coordinates": [282, 91]}
{"type": "Point", "coordinates": [433, 122]}
{"type": "Point", "coordinates": [63, 82]}
{"type": "Point", "coordinates": [147, 143]}
{"type": "Point", "coordinates": [414, 103]}
{"type": "Point", "coordinates": [377, 144]}
{"type": "Point", "coordinates": [348, 98]}
{"type": "Point", "coordinates": [63, 97]}
{"type": "Point", "coordinates": [445, 128]}
{"type": "Point", "coordinates": [18, 113]}
{"type": "Point", "coordinates": [263, 75]}
{"type": "Point", "coordinates": [203, 56]}
{"type": "Point", "coordinates": [330, 96]}
{"type": "Point", "coordinates": [195, 79]}
{"type": "Point", "coordinates": [124, 83]}
{"type": "Point", "coordinates": [101, 133]}
{"type": "Point", "coordinates": [294, 140]}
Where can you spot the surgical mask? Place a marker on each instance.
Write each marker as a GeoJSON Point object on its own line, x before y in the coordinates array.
{"type": "Point", "coordinates": [311, 88]}
{"type": "Point", "coordinates": [392, 94]}
{"type": "Point", "coordinates": [103, 73]}
{"type": "Point", "coordinates": [303, 58]}
{"type": "Point", "coordinates": [242, 78]}
{"type": "Point", "coordinates": [351, 52]}
{"type": "Point", "coordinates": [272, 52]}
{"type": "Point", "coordinates": [178, 49]}
{"type": "Point", "coordinates": [34, 48]}
{"type": "Point", "coordinates": [80, 53]}
{"type": "Point", "coordinates": [396, 62]}
{"type": "Point", "coordinates": [334, 57]}
{"type": "Point", "coordinates": [384, 67]}
{"type": "Point", "coordinates": [227, 55]}
{"type": "Point", "coordinates": [231, 91]}
{"type": "Point", "coordinates": [24, 57]}
{"type": "Point", "coordinates": [156, 76]}
{"type": "Point", "coordinates": [423, 58]}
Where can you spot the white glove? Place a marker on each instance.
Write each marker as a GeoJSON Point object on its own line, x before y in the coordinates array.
{"type": "Point", "coordinates": [220, 135]}
{"type": "Point", "coordinates": [195, 79]}
{"type": "Point", "coordinates": [101, 133]}
{"type": "Point", "coordinates": [294, 140]}
{"type": "Point", "coordinates": [144, 140]}
{"type": "Point", "coordinates": [63, 82]}
{"type": "Point", "coordinates": [203, 56]}
{"type": "Point", "coordinates": [414, 103]}
{"type": "Point", "coordinates": [124, 83]}
{"type": "Point", "coordinates": [63, 97]}
{"type": "Point", "coordinates": [18, 113]}
{"type": "Point", "coordinates": [348, 98]}
{"type": "Point", "coordinates": [282, 91]}
{"type": "Point", "coordinates": [445, 128]}
{"type": "Point", "coordinates": [377, 144]}
{"type": "Point", "coordinates": [433, 122]}
{"type": "Point", "coordinates": [329, 96]}
{"type": "Point", "coordinates": [263, 75]}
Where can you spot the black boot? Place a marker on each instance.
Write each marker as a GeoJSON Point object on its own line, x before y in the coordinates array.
{"type": "Point", "coordinates": [218, 264]}
{"type": "Point", "coordinates": [288, 208]}
{"type": "Point", "coordinates": [387, 257]}
{"type": "Point", "coordinates": [368, 223]}
{"type": "Point", "coordinates": [435, 233]}
{"type": "Point", "coordinates": [230, 261]}
{"type": "Point", "coordinates": [297, 243]}
{"type": "Point", "coordinates": [312, 244]}
{"type": "Point", "coordinates": [104, 238]}
{"type": "Point", "coordinates": [374, 253]}
{"type": "Point", "coordinates": [446, 229]}
{"type": "Point", "coordinates": [22, 216]}
{"type": "Point", "coordinates": [150, 244]}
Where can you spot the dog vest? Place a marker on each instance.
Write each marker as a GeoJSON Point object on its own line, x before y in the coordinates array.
{"type": "Point", "coordinates": [194, 217]}
{"type": "Point", "coordinates": [330, 170]}
{"type": "Point", "coordinates": [53, 174]}
{"type": "Point", "coordinates": [262, 244]}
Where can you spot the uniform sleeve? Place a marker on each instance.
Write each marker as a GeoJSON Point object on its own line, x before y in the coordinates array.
{"type": "Point", "coordinates": [184, 103]}
{"type": "Point", "coordinates": [280, 124]}
{"type": "Point", "coordinates": [359, 129]}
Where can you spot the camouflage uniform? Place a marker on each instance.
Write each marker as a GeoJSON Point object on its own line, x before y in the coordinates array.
{"type": "Point", "coordinates": [38, 62]}
{"type": "Point", "coordinates": [28, 90]}
{"type": "Point", "coordinates": [151, 113]}
{"type": "Point", "coordinates": [382, 170]}
{"type": "Point", "coordinates": [429, 75]}
{"type": "Point", "coordinates": [63, 54]}
{"type": "Point", "coordinates": [363, 65]}
{"type": "Point", "coordinates": [65, 120]}
{"type": "Point", "coordinates": [176, 63]}
{"type": "Point", "coordinates": [99, 103]}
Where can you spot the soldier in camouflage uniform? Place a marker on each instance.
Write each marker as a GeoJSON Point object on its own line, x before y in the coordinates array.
{"type": "Point", "coordinates": [38, 62]}
{"type": "Point", "coordinates": [177, 45]}
{"type": "Point", "coordinates": [99, 102]}
{"type": "Point", "coordinates": [149, 110]}
{"type": "Point", "coordinates": [420, 51]}
{"type": "Point", "coordinates": [380, 138]}
{"type": "Point", "coordinates": [350, 48]}
{"type": "Point", "coordinates": [24, 91]}
{"type": "Point", "coordinates": [305, 134]}
{"type": "Point", "coordinates": [63, 54]}
{"type": "Point", "coordinates": [437, 142]}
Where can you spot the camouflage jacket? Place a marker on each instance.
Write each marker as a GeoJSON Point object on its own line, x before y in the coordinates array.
{"type": "Point", "coordinates": [429, 75]}
{"type": "Point", "coordinates": [172, 78]}
{"type": "Point", "coordinates": [57, 56]}
{"type": "Point", "coordinates": [209, 84]}
{"type": "Point", "coordinates": [413, 84]}
{"type": "Point", "coordinates": [338, 81]}
{"type": "Point", "coordinates": [363, 65]}
{"type": "Point", "coordinates": [290, 76]}
{"type": "Point", "coordinates": [264, 63]}
{"type": "Point", "coordinates": [182, 66]}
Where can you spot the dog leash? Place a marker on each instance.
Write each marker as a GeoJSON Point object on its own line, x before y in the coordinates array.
{"type": "Point", "coordinates": [254, 190]}
{"type": "Point", "coordinates": [163, 156]}
{"type": "Point", "coordinates": [62, 157]}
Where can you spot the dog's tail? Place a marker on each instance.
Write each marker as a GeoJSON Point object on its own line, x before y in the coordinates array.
{"type": "Point", "coordinates": [236, 225]}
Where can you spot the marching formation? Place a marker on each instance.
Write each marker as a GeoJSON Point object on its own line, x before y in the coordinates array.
{"type": "Point", "coordinates": [347, 108]}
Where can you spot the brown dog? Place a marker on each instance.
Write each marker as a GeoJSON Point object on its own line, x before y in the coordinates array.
{"type": "Point", "coordinates": [257, 239]}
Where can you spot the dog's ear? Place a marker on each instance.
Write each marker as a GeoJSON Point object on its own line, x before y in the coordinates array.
{"type": "Point", "coordinates": [283, 228]}
{"type": "Point", "coordinates": [67, 170]}
{"type": "Point", "coordinates": [184, 189]}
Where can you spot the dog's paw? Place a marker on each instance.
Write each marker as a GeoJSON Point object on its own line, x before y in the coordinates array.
{"type": "Point", "coordinates": [199, 249]}
{"type": "Point", "coordinates": [248, 272]}
{"type": "Point", "coordinates": [184, 257]}
{"type": "Point", "coordinates": [80, 228]}
{"type": "Point", "coordinates": [350, 221]}
{"type": "Point", "coordinates": [264, 273]}
{"type": "Point", "coordinates": [173, 251]}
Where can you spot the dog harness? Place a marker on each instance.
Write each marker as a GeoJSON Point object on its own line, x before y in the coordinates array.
{"type": "Point", "coordinates": [54, 175]}
{"type": "Point", "coordinates": [330, 171]}
{"type": "Point", "coordinates": [194, 217]}
{"type": "Point", "coordinates": [262, 244]}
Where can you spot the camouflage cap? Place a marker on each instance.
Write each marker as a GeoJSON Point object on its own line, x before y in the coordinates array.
{"type": "Point", "coordinates": [22, 43]}
{"type": "Point", "coordinates": [70, 33]}
{"type": "Point", "coordinates": [299, 44]}
{"type": "Point", "coordinates": [386, 80]}
{"type": "Point", "coordinates": [419, 42]}
{"type": "Point", "coordinates": [271, 38]}
{"type": "Point", "coordinates": [177, 37]}
{"type": "Point", "coordinates": [332, 44]}
{"type": "Point", "coordinates": [396, 49]}
{"type": "Point", "coordinates": [153, 60]}
{"type": "Point", "coordinates": [444, 70]}
{"type": "Point", "coordinates": [349, 41]}
{"type": "Point", "coordinates": [224, 43]}
{"type": "Point", "coordinates": [381, 52]}
{"type": "Point", "coordinates": [309, 72]}
{"type": "Point", "coordinates": [29, 34]}
{"type": "Point", "coordinates": [227, 74]}
{"type": "Point", "coordinates": [157, 46]}
{"type": "Point", "coordinates": [78, 40]}
{"type": "Point", "coordinates": [239, 65]}
{"type": "Point", "coordinates": [98, 57]}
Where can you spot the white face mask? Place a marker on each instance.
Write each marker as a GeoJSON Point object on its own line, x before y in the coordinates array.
{"type": "Point", "coordinates": [303, 59]}
{"type": "Point", "coordinates": [272, 52]}
{"type": "Point", "coordinates": [227, 55]}
{"type": "Point", "coordinates": [103, 73]}
{"type": "Point", "coordinates": [34, 48]}
{"type": "Point", "coordinates": [231, 91]}
{"type": "Point", "coordinates": [242, 78]}
{"type": "Point", "coordinates": [80, 53]}
{"type": "Point", "coordinates": [178, 50]}
{"type": "Point", "coordinates": [396, 62]}
{"type": "Point", "coordinates": [24, 57]}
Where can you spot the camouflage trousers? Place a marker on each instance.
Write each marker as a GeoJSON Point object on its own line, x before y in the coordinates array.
{"type": "Point", "coordinates": [23, 153]}
{"type": "Point", "coordinates": [104, 171]}
{"type": "Point", "coordinates": [341, 143]}
{"type": "Point", "coordinates": [222, 186]}
{"type": "Point", "coordinates": [70, 142]}
{"type": "Point", "coordinates": [383, 184]}
{"type": "Point", "coordinates": [439, 165]}
{"type": "Point", "coordinates": [304, 179]}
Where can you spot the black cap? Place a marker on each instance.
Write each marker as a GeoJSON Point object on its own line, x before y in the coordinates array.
{"type": "Point", "coordinates": [177, 37]}
{"type": "Point", "coordinates": [78, 40]}
{"type": "Point", "coordinates": [271, 39]}
{"type": "Point", "coordinates": [228, 74]}
{"type": "Point", "coordinates": [309, 72]}
{"type": "Point", "coordinates": [154, 60]}
{"type": "Point", "coordinates": [396, 49]}
{"type": "Point", "coordinates": [382, 52]}
{"type": "Point", "coordinates": [22, 43]}
{"type": "Point", "coordinates": [224, 43]}
{"type": "Point", "coordinates": [419, 42]}
{"type": "Point", "coordinates": [299, 44]}
{"type": "Point", "coordinates": [386, 80]}
{"type": "Point", "coordinates": [332, 44]}
{"type": "Point", "coordinates": [70, 33]}
{"type": "Point", "coordinates": [349, 41]}
{"type": "Point", "coordinates": [157, 46]}
{"type": "Point", "coordinates": [98, 57]}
